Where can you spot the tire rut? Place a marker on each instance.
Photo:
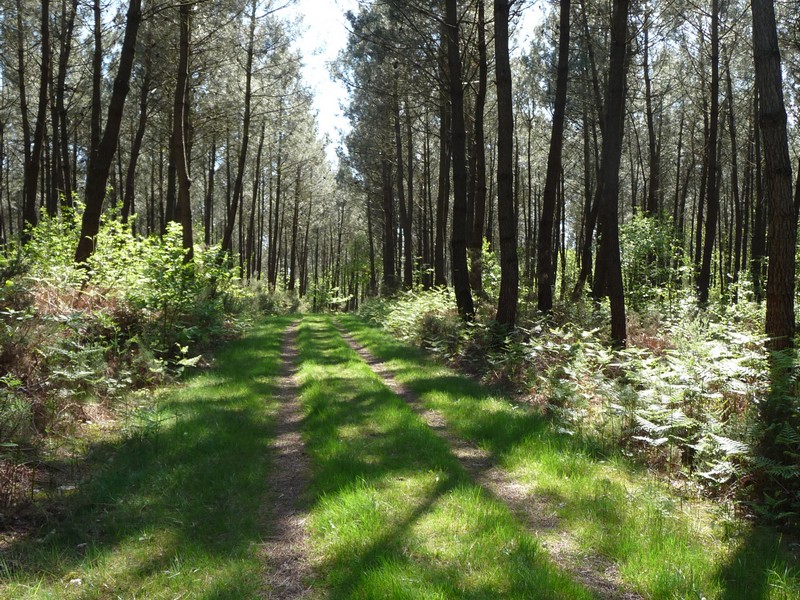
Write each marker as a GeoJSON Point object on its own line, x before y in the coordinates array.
{"type": "Point", "coordinates": [595, 572]}
{"type": "Point", "coordinates": [286, 550]}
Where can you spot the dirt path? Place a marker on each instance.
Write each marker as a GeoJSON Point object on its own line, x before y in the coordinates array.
{"type": "Point", "coordinates": [286, 551]}
{"type": "Point", "coordinates": [595, 572]}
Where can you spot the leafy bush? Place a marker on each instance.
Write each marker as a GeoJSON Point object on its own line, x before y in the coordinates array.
{"type": "Point", "coordinates": [427, 318]}
{"type": "Point", "coordinates": [686, 396]}
{"type": "Point", "coordinates": [648, 250]}
{"type": "Point", "coordinates": [133, 315]}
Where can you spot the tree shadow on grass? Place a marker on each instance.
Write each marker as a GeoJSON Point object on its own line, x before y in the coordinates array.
{"type": "Point", "coordinates": [184, 494]}
{"type": "Point", "coordinates": [757, 568]}
{"type": "Point", "coordinates": [364, 440]}
{"type": "Point", "coordinates": [760, 567]}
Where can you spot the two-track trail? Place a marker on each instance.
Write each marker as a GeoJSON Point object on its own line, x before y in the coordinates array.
{"type": "Point", "coordinates": [286, 550]}
{"type": "Point", "coordinates": [537, 513]}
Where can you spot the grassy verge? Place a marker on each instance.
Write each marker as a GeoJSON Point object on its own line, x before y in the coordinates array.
{"type": "Point", "coordinates": [394, 515]}
{"type": "Point", "coordinates": [175, 508]}
{"type": "Point", "coordinates": [666, 546]}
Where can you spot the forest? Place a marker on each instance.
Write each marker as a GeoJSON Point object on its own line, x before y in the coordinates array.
{"type": "Point", "coordinates": [526, 329]}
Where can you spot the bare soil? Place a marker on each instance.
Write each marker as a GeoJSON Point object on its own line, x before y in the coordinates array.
{"type": "Point", "coordinates": [286, 551]}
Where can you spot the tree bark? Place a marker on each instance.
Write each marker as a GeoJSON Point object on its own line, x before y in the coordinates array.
{"type": "Point", "coordinates": [252, 252]}
{"type": "Point", "coordinates": [95, 124]}
{"type": "Point", "coordinates": [295, 225]}
{"type": "Point", "coordinates": [128, 201]}
{"type": "Point", "coordinates": [100, 165]}
{"type": "Point", "coordinates": [479, 150]}
{"type": "Point", "coordinates": [61, 107]}
{"type": "Point", "coordinates": [506, 217]}
{"type": "Point", "coordinates": [737, 201]}
{"type": "Point", "coordinates": [712, 195]}
{"type": "Point", "coordinates": [759, 242]}
{"type": "Point", "coordinates": [443, 195]}
{"type": "Point", "coordinates": [389, 280]}
{"type": "Point", "coordinates": [272, 256]}
{"type": "Point", "coordinates": [227, 238]}
{"type": "Point", "coordinates": [653, 205]}
{"type": "Point", "coordinates": [179, 133]}
{"type": "Point", "coordinates": [209, 204]}
{"type": "Point", "coordinates": [610, 163]}
{"type": "Point", "coordinates": [545, 272]}
{"type": "Point", "coordinates": [32, 164]}
{"type": "Point", "coordinates": [778, 179]}
{"type": "Point", "coordinates": [405, 215]}
{"type": "Point", "coordinates": [373, 279]}
{"type": "Point", "coordinates": [458, 240]}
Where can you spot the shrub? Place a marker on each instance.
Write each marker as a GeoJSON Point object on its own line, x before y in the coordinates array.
{"type": "Point", "coordinates": [134, 314]}
{"type": "Point", "coordinates": [427, 318]}
{"type": "Point", "coordinates": [685, 396]}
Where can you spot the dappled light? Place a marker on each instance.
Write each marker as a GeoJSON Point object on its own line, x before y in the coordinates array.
{"type": "Point", "coordinates": [463, 299]}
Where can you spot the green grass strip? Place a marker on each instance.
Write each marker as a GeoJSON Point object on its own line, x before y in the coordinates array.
{"type": "Point", "coordinates": [394, 515]}
{"type": "Point", "coordinates": [176, 509]}
{"type": "Point", "coordinates": [666, 547]}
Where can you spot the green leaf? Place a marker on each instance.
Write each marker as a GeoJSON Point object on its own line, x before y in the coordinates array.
{"type": "Point", "coordinates": [190, 362]}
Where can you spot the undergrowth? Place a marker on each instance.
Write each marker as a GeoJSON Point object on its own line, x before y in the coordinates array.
{"type": "Point", "coordinates": [73, 338]}
{"type": "Point", "coordinates": [175, 503]}
{"type": "Point", "coordinates": [664, 542]}
{"type": "Point", "coordinates": [684, 396]}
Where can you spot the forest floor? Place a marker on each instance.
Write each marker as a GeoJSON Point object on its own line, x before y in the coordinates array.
{"type": "Point", "coordinates": [322, 458]}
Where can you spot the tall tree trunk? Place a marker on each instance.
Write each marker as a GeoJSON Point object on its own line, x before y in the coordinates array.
{"type": "Point", "coordinates": [32, 164]}
{"type": "Point", "coordinates": [3, 238]}
{"type": "Point", "coordinates": [95, 123]}
{"type": "Point", "coordinates": [408, 235]}
{"type": "Point", "coordinates": [61, 107]}
{"type": "Point", "coordinates": [373, 278]}
{"type": "Point", "coordinates": [405, 215]}
{"type": "Point", "coordinates": [653, 205]}
{"type": "Point", "coordinates": [458, 241]}
{"type": "Point", "coordinates": [610, 163]}
{"type": "Point", "coordinates": [590, 210]}
{"type": "Point", "coordinates": [678, 165]}
{"type": "Point", "coordinates": [99, 166]}
{"type": "Point", "coordinates": [759, 242]}
{"type": "Point", "coordinates": [304, 253]}
{"type": "Point", "coordinates": [272, 258]}
{"type": "Point", "coordinates": [531, 228]}
{"type": "Point", "coordinates": [479, 150]}
{"type": "Point", "coordinates": [227, 238]}
{"type": "Point", "coordinates": [170, 212]}
{"type": "Point", "coordinates": [55, 173]}
{"type": "Point", "coordinates": [295, 225]}
{"type": "Point", "coordinates": [737, 201]}
{"type": "Point", "coordinates": [443, 195]}
{"type": "Point", "coordinates": [209, 203]}
{"type": "Point", "coordinates": [130, 178]}
{"type": "Point", "coordinates": [545, 272]}
{"type": "Point", "coordinates": [712, 195]}
{"type": "Point", "coordinates": [251, 227]}
{"type": "Point", "coordinates": [426, 230]}
{"type": "Point", "coordinates": [506, 217]}
{"type": "Point", "coordinates": [179, 133]}
{"type": "Point", "coordinates": [697, 252]}
{"type": "Point", "coordinates": [778, 178]}
{"type": "Point", "coordinates": [389, 280]}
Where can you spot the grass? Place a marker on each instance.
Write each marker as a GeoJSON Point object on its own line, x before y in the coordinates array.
{"type": "Point", "coordinates": [666, 546]}
{"type": "Point", "coordinates": [176, 506]}
{"type": "Point", "coordinates": [394, 515]}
